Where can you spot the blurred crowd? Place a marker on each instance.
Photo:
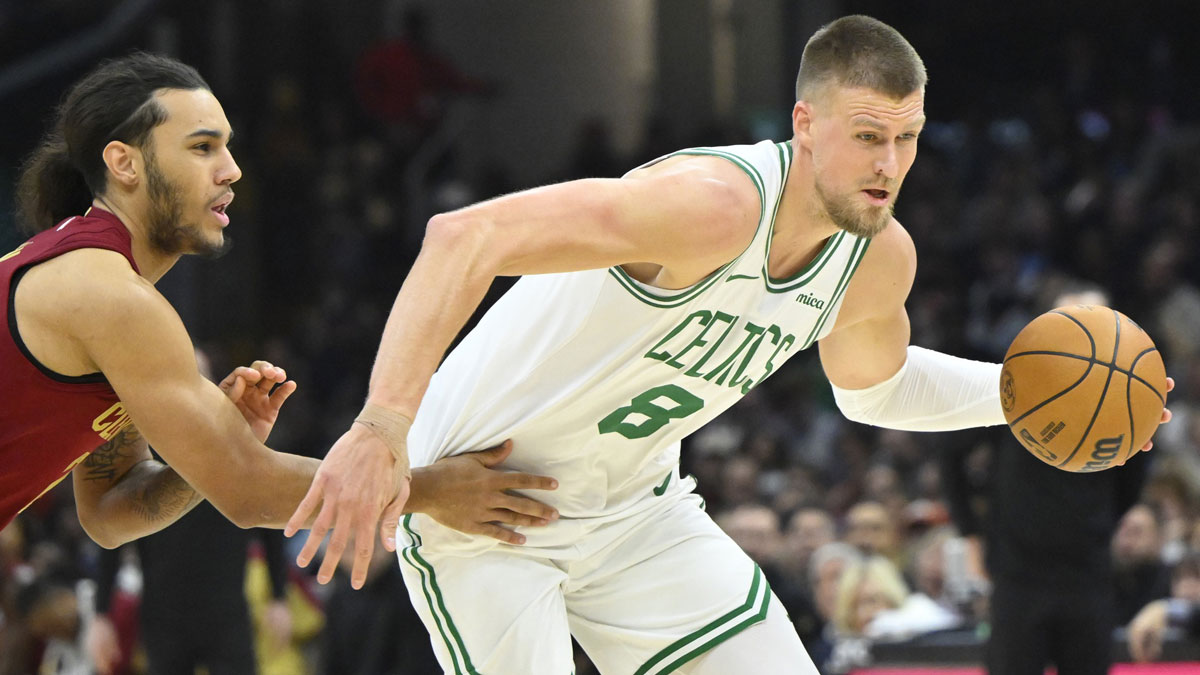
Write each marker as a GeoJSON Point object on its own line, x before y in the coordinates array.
{"type": "Point", "coordinates": [1082, 184]}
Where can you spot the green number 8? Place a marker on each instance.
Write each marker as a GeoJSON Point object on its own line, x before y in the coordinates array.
{"type": "Point", "coordinates": [656, 416]}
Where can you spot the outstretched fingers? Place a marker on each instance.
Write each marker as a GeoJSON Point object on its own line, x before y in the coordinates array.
{"type": "Point", "coordinates": [312, 500]}
{"type": "Point", "coordinates": [364, 545]}
{"type": "Point", "coordinates": [338, 542]}
{"type": "Point", "coordinates": [537, 512]}
{"type": "Point", "coordinates": [497, 532]}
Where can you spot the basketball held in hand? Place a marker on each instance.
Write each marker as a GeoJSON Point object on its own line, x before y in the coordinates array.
{"type": "Point", "coordinates": [1083, 388]}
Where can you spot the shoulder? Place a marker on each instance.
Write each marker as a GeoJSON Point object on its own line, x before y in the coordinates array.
{"type": "Point", "coordinates": [892, 252]}
{"type": "Point", "coordinates": [713, 202]}
{"type": "Point", "coordinates": [885, 276]}
{"type": "Point", "coordinates": [81, 290]}
{"type": "Point", "coordinates": [714, 182]}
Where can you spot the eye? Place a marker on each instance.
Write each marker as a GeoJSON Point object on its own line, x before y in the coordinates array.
{"type": "Point", "coordinates": [867, 137]}
{"type": "Point", "coordinates": [202, 147]}
{"type": "Point", "coordinates": [908, 137]}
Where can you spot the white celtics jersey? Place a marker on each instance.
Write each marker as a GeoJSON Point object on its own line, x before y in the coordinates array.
{"type": "Point", "coordinates": [596, 377]}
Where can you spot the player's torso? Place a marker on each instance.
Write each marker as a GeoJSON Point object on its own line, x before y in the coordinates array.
{"type": "Point", "coordinates": [49, 422]}
{"type": "Point", "coordinates": [596, 377]}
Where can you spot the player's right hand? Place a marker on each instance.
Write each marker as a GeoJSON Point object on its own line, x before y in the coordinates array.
{"type": "Point", "coordinates": [253, 390]}
{"type": "Point", "coordinates": [467, 493]}
{"type": "Point", "coordinates": [356, 487]}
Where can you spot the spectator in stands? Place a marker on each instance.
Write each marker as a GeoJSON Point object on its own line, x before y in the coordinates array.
{"type": "Point", "coordinates": [1139, 572]}
{"type": "Point", "coordinates": [47, 638]}
{"type": "Point", "coordinates": [872, 529]}
{"type": "Point", "coordinates": [825, 570]}
{"type": "Point", "coordinates": [755, 528]}
{"type": "Point", "coordinates": [867, 588]}
{"type": "Point", "coordinates": [1182, 609]}
{"type": "Point", "coordinates": [808, 529]}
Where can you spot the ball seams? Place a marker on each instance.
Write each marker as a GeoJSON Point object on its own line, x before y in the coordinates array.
{"type": "Point", "coordinates": [1095, 414]}
{"type": "Point", "coordinates": [1079, 357]}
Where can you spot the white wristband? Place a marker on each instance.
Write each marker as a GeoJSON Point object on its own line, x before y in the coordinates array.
{"type": "Point", "coordinates": [932, 392]}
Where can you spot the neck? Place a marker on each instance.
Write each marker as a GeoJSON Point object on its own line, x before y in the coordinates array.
{"type": "Point", "coordinates": [152, 263]}
{"type": "Point", "coordinates": [801, 225]}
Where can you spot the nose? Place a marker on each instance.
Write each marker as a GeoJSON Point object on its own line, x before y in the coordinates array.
{"type": "Point", "coordinates": [229, 172]}
{"type": "Point", "coordinates": [887, 164]}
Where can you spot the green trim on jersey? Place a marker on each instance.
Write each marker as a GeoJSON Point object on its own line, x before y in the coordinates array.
{"type": "Point", "coordinates": [438, 609]}
{"type": "Point", "coordinates": [677, 299]}
{"type": "Point", "coordinates": [856, 256]}
{"type": "Point", "coordinates": [814, 266]}
{"type": "Point", "coordinates": [665, 301]}
{"type": "Point", "coordinates": [698, 642]}
{"type": "Point", "coordinates": [809, 271]}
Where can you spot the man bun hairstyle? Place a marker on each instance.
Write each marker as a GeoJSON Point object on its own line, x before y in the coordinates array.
{"type": "Point", "coordinates": [114, 102]}
{"type": "Point", "coordinates": [858, 51]}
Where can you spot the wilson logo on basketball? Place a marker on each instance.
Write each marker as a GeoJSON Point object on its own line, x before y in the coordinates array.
{"type": "Point", "coordinates": [1105, 450]}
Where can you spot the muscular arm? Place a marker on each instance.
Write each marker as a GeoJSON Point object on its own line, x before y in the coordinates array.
{"type": "Point", "coordinates": [878, 378]}
{"type": "Point", "coordinates": [121, 493]}
{"type": "Point", "coordinates": [868, 342]}
{"type": "Point", "coordinates": [681, 220]}
{"type": "Point", "coordinates": [124, 328]}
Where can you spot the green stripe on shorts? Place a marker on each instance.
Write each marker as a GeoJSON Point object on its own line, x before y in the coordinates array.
{"type": "Point", "coordinates": [441, 617]}
{"type": "Point", "coordinates": [752, 611]}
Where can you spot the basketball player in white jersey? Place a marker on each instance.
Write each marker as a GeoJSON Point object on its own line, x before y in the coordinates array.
{"type": "Point", "coordinates": [653, 303]}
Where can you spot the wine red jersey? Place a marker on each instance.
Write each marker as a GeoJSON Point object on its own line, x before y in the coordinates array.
{"type": "Point", "coordinates": [50, 422]}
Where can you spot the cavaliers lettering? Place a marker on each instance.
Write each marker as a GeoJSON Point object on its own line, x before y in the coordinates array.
{"type": "Point", "coordinates": [110, 422]}
{"type": "Point", "coordinates": [13, 253]}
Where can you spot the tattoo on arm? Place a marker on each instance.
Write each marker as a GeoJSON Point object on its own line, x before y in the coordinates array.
{"type": "Point", "coordinates": [151, 489]}
{"type": "Point", "coordinates": [161, 494]}
{"type": "Point", "coordinates": [106, 460]}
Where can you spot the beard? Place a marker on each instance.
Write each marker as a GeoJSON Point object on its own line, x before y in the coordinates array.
{"type": "Point", "coordinates": [853, 217]}
{"type": "Point", "coordinates": [168, 233]}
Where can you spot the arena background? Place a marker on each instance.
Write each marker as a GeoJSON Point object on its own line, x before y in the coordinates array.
{"type": "Point", "coordinates": [1061, 146]}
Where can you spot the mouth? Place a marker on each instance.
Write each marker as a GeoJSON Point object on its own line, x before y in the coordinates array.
{"type": "Point", "coordinates": [877, 196]}
{"type": "Point", "coordinates": [219, 207]}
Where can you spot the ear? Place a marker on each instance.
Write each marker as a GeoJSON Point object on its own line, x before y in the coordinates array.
{"type": "Point", "coordinates": [802, 118]}
{"type": "Point", "coordinates": [124, 163]}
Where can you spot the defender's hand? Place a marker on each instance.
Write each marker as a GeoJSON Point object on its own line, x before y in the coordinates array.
{"type": "Point", "coordinates": [466, 492]}
{"type": "Point", "coordinates": [250, 390]}
{"type": "Point", "coordinates": [356, 485]}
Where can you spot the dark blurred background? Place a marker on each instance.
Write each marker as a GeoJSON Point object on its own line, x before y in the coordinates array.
{"type": "Point", "coordinates": [1062, 150]}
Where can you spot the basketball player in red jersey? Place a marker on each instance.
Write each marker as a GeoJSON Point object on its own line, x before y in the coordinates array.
{"type": "Point", "coordinates": [95, 365]}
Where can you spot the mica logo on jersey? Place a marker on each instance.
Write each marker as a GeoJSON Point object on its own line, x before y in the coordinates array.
{"type": "Point", "coordinates": [810, 300]}
{"type": "Point", "coordinates": [110, 422]}
{"type": "Point", "coordinates": [724, 358]}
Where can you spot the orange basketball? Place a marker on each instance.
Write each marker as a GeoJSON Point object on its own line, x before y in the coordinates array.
{"type": "Point", "coordinates": [1083, 387]}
